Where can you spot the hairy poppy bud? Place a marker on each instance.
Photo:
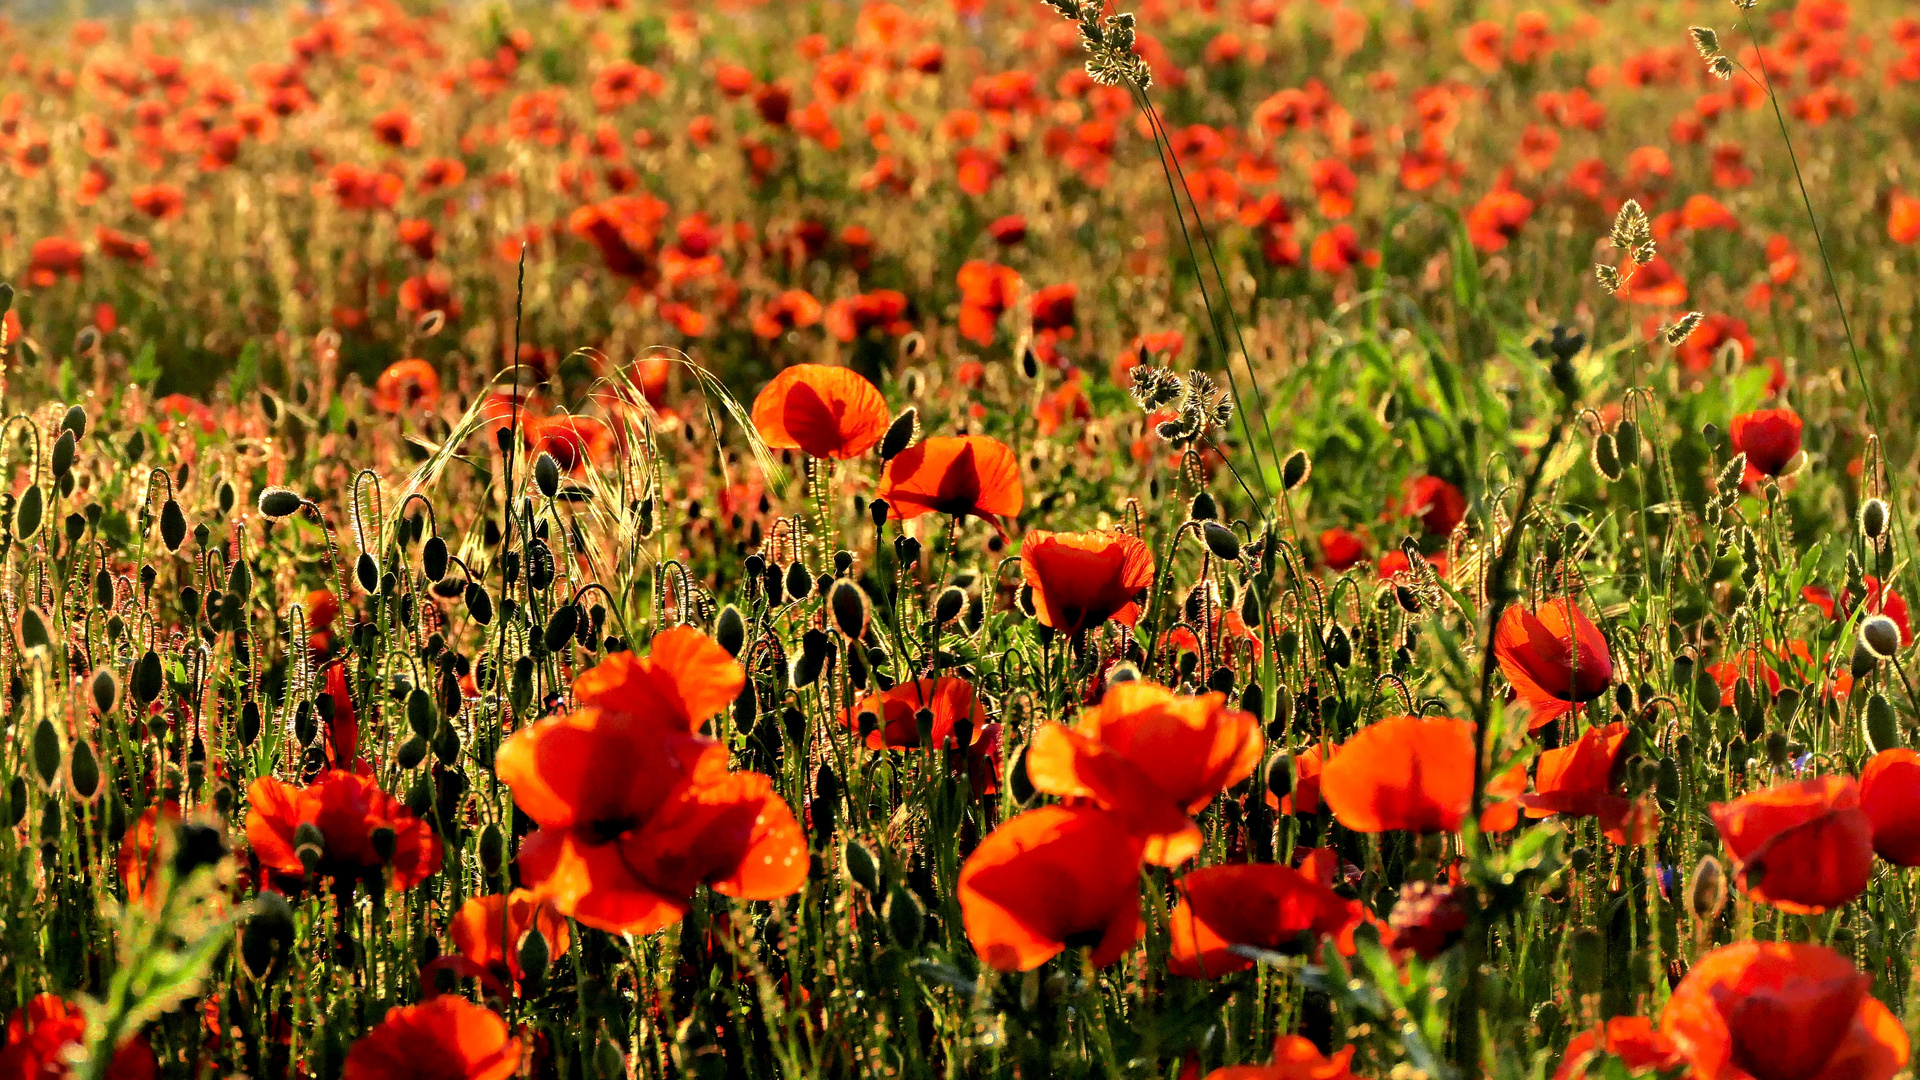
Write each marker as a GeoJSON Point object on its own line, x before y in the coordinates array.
{"type": "Point", "coordinates": [534, 954]}
{"type": "Point", "coordinates": [862, 867]}
{"type": "Point", "coordinates": [1882, 635]}
{"type": "Point", "coordinates": [546, 474]}
{"type": "Point", "coordinates": [1221, 541]}
{"type": "Point", "coordinates": [1203, 508]}
{"type": "Point", "coordinates": [849, 605]}
{"type": "Point", "coordinates": [730, 630]}
{"type": "Point", "coordinates": [1873, 519]}
{"type": "Point", "coordinates": [1295, 470]}
{"type": "Point", "coordinates": [899, 434]}
{"type": "Point", "coordinates": [946, 607]}
{"type": "Point", "coordinates": [278, 502]}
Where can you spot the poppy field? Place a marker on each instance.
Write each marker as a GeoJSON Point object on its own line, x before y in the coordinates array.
{"type": "Point", "coordinates": [1226, 539]}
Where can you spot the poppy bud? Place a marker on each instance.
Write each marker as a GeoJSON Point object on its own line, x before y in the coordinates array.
{"type": "Point", "coordinates": [493, 849]}
{"type": "Point", "coordinates": [849, 604]}
{"type": "Point", "coordinates": [278, 502]}
{"type": "Point", "coordinates": [1707, 892]}
{"type": "Point", "coordinates": [1339, 648]}
{"type": "Point", "coordinates": [1873, 519]}
{"type": "Point", "coordinates": [310, 844]}
{"type": "Point", "coordinates": [1863, 661]}
{"type": "Point", "coordinates": [862, 867]}
{"type": "Point", "coordinates": [434, 558]}
{"type": "Point", "coordinates": [905, 920]}
{"type": "Point", "coordinates": [1883, 731]}
{"type": "Point", "coordinates": [730, 630]}
{"type": "Point", "coordinates": [877, 509]}
{"type": "Point", "coordinates": [412, 752]}
{"type": "Point", "coordinates": [1029, 362]}
{"type": "Point", "coordinates": [1221, 541]}
{"type": "Point", "coordinates": [609, 1063]}
{"type": "Point", "coordinates": [1882, 635]}
{"type": "Point", "coordinates": [1280, 776]}
{"type": "Point", "coordinates": [1626, 438]}
{"type": "Point", "coordinates": [534, 954]}
{"type": "Point", "coordinates": [899, 434]}
{"type": "Point", "coordinates": [1295, 470]}
{"type": "Point", "coordinates": [1203, 508]}
{"type": "Point", "coordinates": [267, 935]}
{"type": "Point", "coordinates": [1606, 456]}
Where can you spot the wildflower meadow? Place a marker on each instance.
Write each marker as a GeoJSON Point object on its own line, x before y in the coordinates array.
{"type": "Point", "coordinates": [1213, 540]}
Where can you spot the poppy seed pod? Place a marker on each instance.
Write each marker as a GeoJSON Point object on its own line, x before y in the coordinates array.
{"type": "Point", "coordinates": [1882, 635]}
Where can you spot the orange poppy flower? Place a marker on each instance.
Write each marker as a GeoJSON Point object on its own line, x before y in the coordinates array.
{"type": "Point", "coordinates": [1081, 580]}
{"type": "Point", "coordinates": [1582, 780]}
{"type": "Point", "coordinates": [681, 683]}
{"type": "Point", "coordinates": [950, 701]}
{"type": "Point", "coordinates": [1294, 1058]}
{"type": "Point", "coordinates": [1152, 757]}
{"type": "Point", "coordinates": [1777, 1010]}
{"type": "Point", "coordinates": [1554, 657]}
{"type": "Point", "coordinates": [825, 412]}
{"type": "Point", "coordinates": [1049, 879]}
{"type": "Point", "coordinates": [364, 829]}
{"type": "Point", "coordinates": [1632, 1039]}
{"type": "Point", "coordinates": [1890, 796]}
{"type": "Point", "coordinates": [1770, 438]}
{"type": "Point", "coordinates": [487, 930]}
{"type": "Point", "coordinates": [447, 1037]}
{"type": "Point", "coordinates": [634, 810]}
{"type": "Point", "coordinates": [43, 1034]}
{"type": "Point", "coordinates": [1879, 602]}
{"type": "Point", "coordinates": [1256, 904]}
{"type": "Point", "coordinates": [1407, 773]}
{"type": "Point", "coordinates": [957, 475]}
{"type": "Point", "coordinates": [572, 440]}
{"type": "Point", "coordinates": [1341, 549]}
{"type": "Point", "coordinates": [1803, 847]}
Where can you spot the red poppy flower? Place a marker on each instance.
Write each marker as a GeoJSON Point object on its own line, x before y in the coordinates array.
{"type": "Point", "coordinates": [1437, 504]}
{"type": "Point", "coordinates": [1803, 847]}
{"type": "Point", "coordinates": [1049, 879]}
{"type": "Point", "coordinates": [363, 829]}
{"type": "Point", "coordinates": [883, 309]}
{"type": "Point", "coordinates": [1879, 602]}
{"type": "Point", "coordinates": [1008, 230]}
{"type": "Point", "coordinates": [794, 309]}
{"type": "Point", "coordinates": [139, 849]}
{"type": "Point", "coordinates": [634, 810]}
{"type": "Point", "coordinates": [343, 729]}
{"type": "Point", "coordinates": [1554, 657]}
{"type": "Point", "coordinates": [1341, 549]}
{"type": "Point", "coordinates": [956, 475]}
{"type": "Point", "coordinates": [1266, 906]}
{"type": "Point", "coordinates": [1890, 797]}
{"type": "Point", "coordinates": [1632, 1039]}
{"type": "Point", "coordinates": [986, 290]}
{"type": "Point", "coordinates": [404, 384]}
{"type": "Point", "coordinates": [158, 200]}
{"type": "Point", "coordinates": [1770, 438]}
{"type": "Point", "coordinates": [1777, 1010]}
{"type": "Point", "coordinates": [572, 440]}
{"type": "Point", "coordinates": [1903, 219]}
{"type": "Point", "coordinates": [419, 236]}
{"type": "Point", "coordinates": [1081, 580]}
{"type": "Point", "coordinates": [825, 412]}
{"type": "Point", "coordinates": [1497, 219]}
{"type": "Point", "coordinates": [1294, 1058]}
{"type": "Point", "coordinates": [54, 258]}
{"type": "Point", "coordinates": [1152, 757]}
{"type": "Point", "coordinates": [1408, 773]}
{"type": "Point", "coordinates": [43, 1035]}
{"type": "Point", "coordinates": [1697, 352]}
{"type": "Point", "coordinates": [446, 1038]}
{"type": "Point", "coordinates": [1052, 307]}
{"type": "Point", "coordinates": [487, 930]}
{"type": "Point", "coordinates": [950, 701]}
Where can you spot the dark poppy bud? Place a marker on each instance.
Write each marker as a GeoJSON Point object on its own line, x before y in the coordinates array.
{"type": "Point", "coordinates": [1029, 362]}
{"type": "Point", "coordinates": [546, 474]}
{"type": "Point", "coordinates": [842, 563]}
{"type": "Point", "coordinates": [862, 867]}
{"type": "Point", "coordinates": [1203, 508]}
{"type": "Point", "coordinates": [268, 933]}
{"type": "Point", "coordinates": [730, 630]}
{"type": "Point", "coordinates": [279, 502]}
{"type": "Point", "coordinates": [799, 581]}
{"type": "Point", "coordinates": [310, 844]}
{"type": "Point", "coordinates": [1626, 440]}
{"type": "Point", "coordinates": [907, 550]}
{"type": "Point", "coordinates": [946, 607]}
{"type": "Point", "coordinates": [899, 434]}
{"type": "Point", "coordinates": [1883, 730]}
{"type": "Point", "coordinates": [1873, 519]}
{"type": "Point", "coordinates": [849, 606]}
{"type": "Point", "coordinates": [904, 917]}
{"type": "Point", "coordinates": [534, 955]}
{"type": "Point", "coordinates": [1280, 775]}
{"type": "Point", "coordinates": [1295, 470]}
{"type": "Point", "coordinates": [196, 844]}
{"type": "Point", "coordinates": [877, 510]}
